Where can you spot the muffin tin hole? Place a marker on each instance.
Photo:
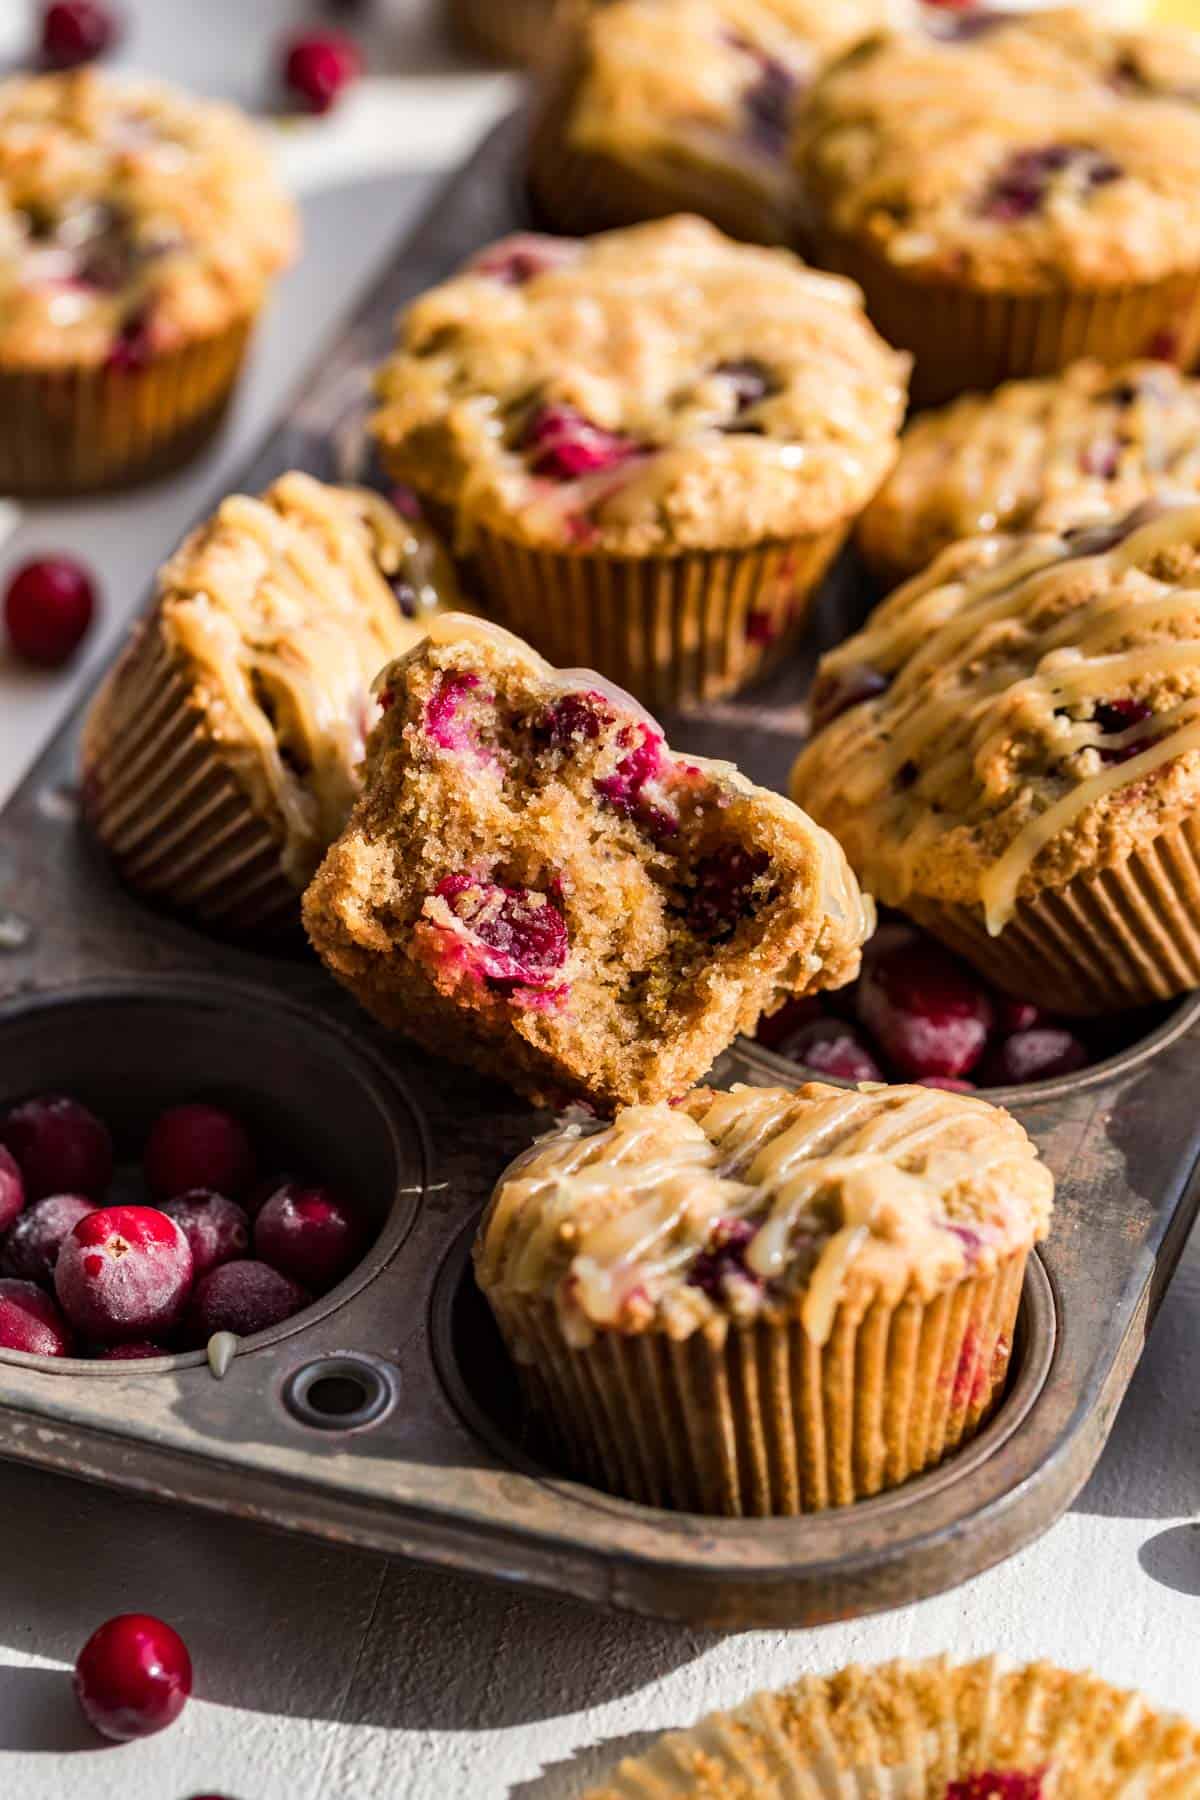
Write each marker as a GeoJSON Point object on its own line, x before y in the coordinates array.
{"type": "Point", "coordinates": [340, 1393]}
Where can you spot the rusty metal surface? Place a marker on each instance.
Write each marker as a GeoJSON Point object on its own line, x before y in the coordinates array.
{"type": "Point", "coordinates": [105, 997]}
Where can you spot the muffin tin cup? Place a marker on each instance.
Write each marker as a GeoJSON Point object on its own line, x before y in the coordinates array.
{"type": "Point", "coordinates": [80, 430]}
{"type": "Point", "coordinates": [768, 1423]}
{"type": "Point", "coordinates": [964, 340]}
{"type": "Point", "coordinates": [674, 630]}
{"type": "Point", "coordinates": [1115, 939]}
{"type": "Point", "coordinates": [167, 806]}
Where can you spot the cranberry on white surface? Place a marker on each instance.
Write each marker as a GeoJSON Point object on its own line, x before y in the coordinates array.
{"type": "Point", "coordinates": [48, 606]}
{"type": "Point", "coordinates": [133, 1677]}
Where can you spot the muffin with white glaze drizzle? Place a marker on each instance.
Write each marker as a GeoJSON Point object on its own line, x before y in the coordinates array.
{"type": "Point", "coordinates": [220, 758]}
{"type": "Point", "coordinates": [652, 443]}
{"type": "Point", "coordinates": [763, 1301]}
{"type": "Point", "coordinates": [1010, 751]}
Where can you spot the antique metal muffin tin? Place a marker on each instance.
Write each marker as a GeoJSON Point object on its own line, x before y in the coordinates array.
{"type": "Point", "coordinates": [385, 1415]}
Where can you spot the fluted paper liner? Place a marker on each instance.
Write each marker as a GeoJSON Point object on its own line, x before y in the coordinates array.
{"type": "Point", "coordinates": [963, 338]}
{"type": "Point", "coordinates": [670, 629]}
{"type": "Point", "coordinates": [910, 1730]}
{"type": "Point", "coordinates": [167, 807]}
{"type": "Point", "coordinates": [768, 1423]}
{"type": "Point", "coordinates": [79, 430]}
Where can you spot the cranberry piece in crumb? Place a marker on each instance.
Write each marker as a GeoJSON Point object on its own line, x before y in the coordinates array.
{"type": "Point", "coordinates": [831, 1047]}
{"type": "Point", "coordinates": [926, 1011]}
{"type": "Point", "coordinates": [32, 1246]}
{"type": "Point", "coordinates": [839, 690]}
{"type": "Point", "coordinates": [723, 1256]}
{"type": "Point", "coordinates": [317, 67]}
{"type": "Point", "coordinates": [60, 1146]}
{"type": "Point", "coordinates": [993, 1786]}
{"type": "Point", "coordinates": [133, 347]}
{"type": "Point", "coordinates": [517, 259]}
{"type": "Point", "coordinates": [1116, 716]}
{"type": "Point", "coordinates": [768, 104]}
{"type": "Point", "coordinates": [197, 1146]}
{"type": "Point", "coordinates": [521, 935]}
{"type": "Point", "coordinates": [12, 1189]}
{"type": "Point", "coordinates": [124, 1272]}
{"type": "Point", "coordinates": [749, 379]}
{"type": "Point", "coordinates": [48, 607]}
{"type": "Point", "coordinates": [30, 1321]}
{"type": "Point", "coordinates": [217, 1229]}
{"type": "Point", "coordinates": [75, 32]}
{"type": "Point", "coordinates": [242, 1297]}
{"type": "Point", "coordinates": [1035, 1055]}
{"type": "Point", "coordinates": [624, 788]}
{"type": "Point", "coordinates": [573, 718]}
{"type": "Point", "coordinates": [1022, 185]}
{"type": "Point", "coordinates": [442, 708]}
{"type": "Point", "coordinates": [566, 445]}
{"type": "Point", "coordinates": [310, 1234]}
{"type": "Point", "coordinates": [141, 1350]}
{"type": "Point", "coordinates": [761, 628]}
{"type": "Point", "coordinates": [133, 1677]}
{"type": "Point", "coordinates": [725, 882]}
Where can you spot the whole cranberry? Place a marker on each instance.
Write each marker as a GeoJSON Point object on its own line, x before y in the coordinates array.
{"type": "Point", "coordinates": [242, 1297]}
{"type": "Point", "coordinates": [61, 1147]}
{"type": "Point", "coordinates": [1017, 1015]}
{"type": "Point", "coordinates": [831, 1047]}
{"type": "Point", "coordinates": [48, 607]}
{"type": "Point", "coordinates": [317, 67]}
{"type": "Point", "coordinates": [12, 1189]}
{"type": "Point", "coordinates": [139, 1351]}
{"type": "Point", "coordinates": [309, 1234]}
{"type": "Point", "coordinates": [1035, 1055]}
{"type": "Point", "coordinates": [30, 1321]}
{"type": "Point", "coordinates": [777, 1031]}
{"type": "Point", "coordinates": [76, 31]}
{"type": "Point", "coordinates": [926, 1011]}
{"type": "Point", "coordinates": [261, 1192]}
{"type": "Point", "coordinates": [197, 1147]}
{"type": "Point", "coordinates": [32, 1246]}
{"type": "Point", "coordinates": [125, 1272]}
{"type": "Point", "coordinates": [133, 1677]}
{"type": "Point", "coordinates": [947, 1083]}
{"type": "Point", "coordinates": [217, 1229]}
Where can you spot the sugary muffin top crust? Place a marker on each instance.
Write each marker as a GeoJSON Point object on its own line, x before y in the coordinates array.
{"type": "Point", "coordinates": [762, 1201]}
{"type": "Point", "coordinates": [1036, 455]}
{"type": "Point", "coordinates": [132, 219]}
{"type": "Point", "coordinates": [1022, 158]}
{"type": "Point", "coordinates": [645, 391]}
{"type": "Point", "coordinates": [1026, 710]}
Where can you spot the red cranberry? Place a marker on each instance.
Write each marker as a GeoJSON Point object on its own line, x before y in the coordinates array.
{"type": "Point", "coordinates": [725, 884]}
{"type": "Point", "coordinates": [32, 1246]}
{"type": "Point", "coordinates": [309, 1234]}
{"type": "Point", "coordinates": [76, 31]}
{"type": "Point", "coordinates": [1017, 1015]}
{"type": "Point", "coordinates": [623, 789]}
{"type": "Point", "coordinates": [197, 1147]}
{"type": "Point", "coordinates": [572, 719]}
{"type": "Point", "coordinates": [133, 1677]}
{"type": "Point", "coordinates": [723, 1256]}
{"type": "Point", "coordinates": [242, 1297]}
{"type": "Point", "coordinates": [749, 379]}
{"type": "Point", "coordinates": [261, 1192]}
{"type": "Point", "coordinates": [442, 709]}
{"type": "Point", "coordinates": [522, 935]}
{"type": "Point", "coordinates": [838, 690]}
{"type": "Point", "coordinates": [517, 259]}
{"type": "Point", "coordinates": [1022, 186]}
{"type": "Point", "coordinates": [1116, 716]}
{"type": "Point", "coordinates": [141, 1350]}
{"type": "Point", "coordinates": [47, 610]}
{"type": "Point", "coordinates": [316, 68]}
{"type": "Point", "coordinates": [124, 1272]}
{"type": "Point", "coordinates": [134, 346]}
{"type": "Point", "coordinates": [947, 1083]}
{"type": "Point", "coordinates": [12, 1189]}
{"type": "Point", "coordinates": [217, 1229]}
{"type": "Point", "coordinates": [923, 1007]}
{"type": "Point", "coordinates": [1035, 1055]}
{"type": "Point", "coordinates": [30, 1321]}
{"type": "Point", "coordinates": [61, 1147]}
{"type": "Point", "coordinates": [566, 445]}
{"type": "Point", "coordinates": [769, 103]}
{"type": "Point", "coordinates": [994, 1786]}
{"type": "Point", "coordinates": [778, 1031]}
{"type": "Point", "coordinates": [831, 1047]}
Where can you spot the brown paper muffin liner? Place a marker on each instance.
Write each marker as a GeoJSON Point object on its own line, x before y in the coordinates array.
{"type": "Point", "coordinates": [1118, 938]}
{"type": "Point", "coordinates": [963, 339]}
{"type": "Point", "coordinates": [74, 431]}
{"type": "Point", "coordinates": [504, 31]}
{"type": "Point", "coordinates": [769, 1423]}
{"type": "Point", "coordinates": [166, 805]}
{"type": "Point", "coordinates": [918, 1729]}
{"type": "Point", "coordinates": [670, 629]}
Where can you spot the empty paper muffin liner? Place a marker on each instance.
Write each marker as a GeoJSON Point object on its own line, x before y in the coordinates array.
{"type": "Point", "coordinates": [165, 802]}
{"type": "Point", "coordinates": [1118, 938]}
{"type": "Point", "coordinates": [916, 1731]}
{"type": "Point", "coordinates": [505, 31]}
{"type": "Point", "coordinates": [78, 430]}
{"type": "Point", "coordinates": [670, 629]}
{"type": "Point", "coordinates": [963, 339]}
{"type": "Point", "coordinates": [768, 1422]}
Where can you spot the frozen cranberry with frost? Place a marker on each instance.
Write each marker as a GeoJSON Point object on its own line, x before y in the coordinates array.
{"type": "Point", "coordinates": [217, 1229]}
{"type": "Point", "coordinates": [30, 1321]}
{"type": "Point", "coordinates": [60, 1146]}
{"type": "Point", "coordinates": [48, 606]}
{"type": "Point", "coordinates": [75, 32]}
{"type": "Point", "coordinates": [840, 689]}
{"type": "Point", "coordinates": [832, 1047]}
{"type": "Point", "coordinates": [1036, 1055]}
{"type": "Point", "coordinates": [12, 1189]}
{"type": "Point", "coordinates": [726, 884]}
{"type": "Point", "coordinates": [310, 1234]}
{"type": "Point", "coordinates": [318, 66]}
{"type": "Point", "coordinates": [197, 1146]}
{"type": "Point", "coordinates": [133, 1677]}
{"type": "Point", "coordinates": [33, 1243]}
{"type": "Point", "coordinates": [565, 445]}
{"type": "Point", "coordinates": [124, 1272]}
{"type": "Point", "coordinates": [926, 1011]}
{"type": "Point", "coordinates": [141, 1350]}
{"type": "Point", "coordinates": [242, 1297]}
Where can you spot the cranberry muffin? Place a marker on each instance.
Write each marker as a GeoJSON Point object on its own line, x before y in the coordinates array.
{"type": "Point", "coordinates": [1010, 751]}
{"type": "Point", "coordinates": [1012, 198]}
{"type": "Point", "coordinates": [765, 1302]}
{"type": "Point", "coordinates": [652, 443]}
{"type": "Point", "coordinates": [930, 1730]}
{"type": "Point", "coordinates": [660, 106]}
{"type": "Point", "coordinates": [220, 758]}
{"type": "Point", "coordinates": [532, 883]}
{"type": "Point", "coordinates": [140, 230]}
{"type": "Point", "coordinates": [1075, 449]}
